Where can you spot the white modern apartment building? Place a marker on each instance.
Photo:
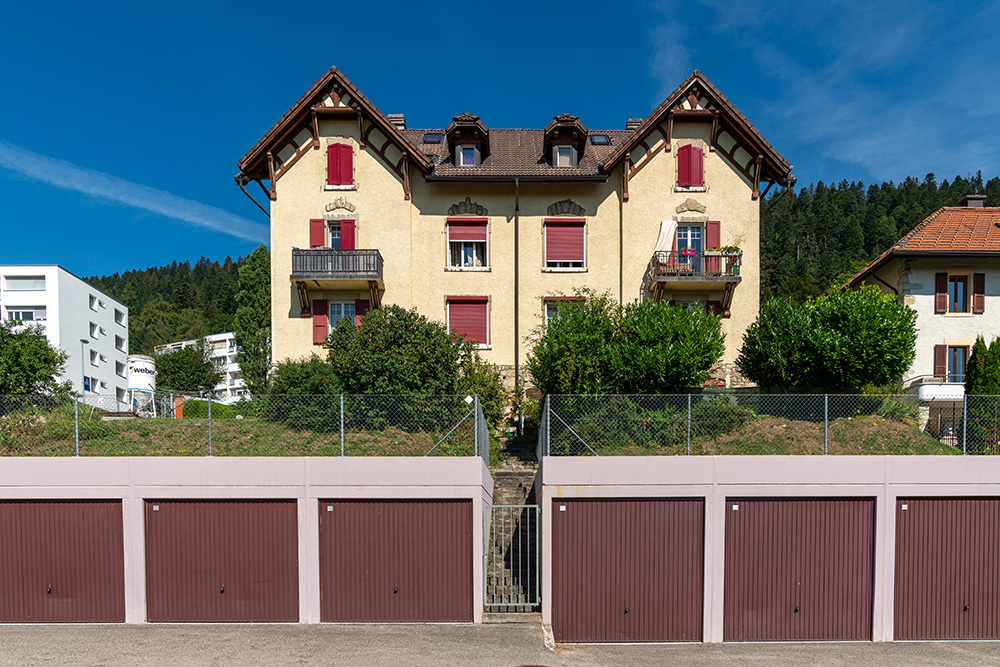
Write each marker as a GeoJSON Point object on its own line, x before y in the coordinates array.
{"type": "Point", "coordinates": [71, 311]}
{"type": "Point", "coordinates": [222, 348]}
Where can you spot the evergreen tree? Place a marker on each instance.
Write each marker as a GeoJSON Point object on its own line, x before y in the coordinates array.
{"type": "Point", "coordinates": [253, 320]}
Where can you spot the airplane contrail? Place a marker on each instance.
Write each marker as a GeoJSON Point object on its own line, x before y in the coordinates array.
{"type": "Point", "coordinates": [67, 175]}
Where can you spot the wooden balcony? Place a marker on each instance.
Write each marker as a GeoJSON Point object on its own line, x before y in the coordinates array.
{"type": "Point", "coordinates": [696, 271]}
{"type": "Point", "coordinates": [326, 269]}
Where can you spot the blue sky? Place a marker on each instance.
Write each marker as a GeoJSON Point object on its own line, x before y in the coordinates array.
{"type": "Point", "coordinates": [121, 123]}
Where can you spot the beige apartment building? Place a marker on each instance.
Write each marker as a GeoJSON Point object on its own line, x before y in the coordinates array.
{"type": "Point", "coordinates": [490, 229]}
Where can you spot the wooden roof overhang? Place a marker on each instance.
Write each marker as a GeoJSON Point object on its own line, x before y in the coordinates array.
{"type": "Point", "coordinates": [766, 165]}
{"type": "Point", "coordinates": [258, 163]}
{"type": "Point", "coordinates": [529, 178]}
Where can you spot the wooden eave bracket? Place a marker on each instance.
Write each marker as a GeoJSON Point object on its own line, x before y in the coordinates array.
{"type": "Point", "coordinates": [361, 131]}
{"type": "Point", "coordinates": [727, 300]}
{"type": "Point", "coordinates": [670, 131]}
{"type": "Point", "coordinates": [756, 178]}
{"type": "Point", "coordinates": [715, 132]}
{"type": "Point", "coordinates": [305, 308]}
{"type": "Point", "coordinates": [315, 122]}
{"type": "Point", "coordinates": [272, 195]}
{"type": "Point", "coordinates": [374, 297]}
{"type": "Point", "coordinates": [406, 177]}
{"type": "Point", "coordinates": [626, 175]}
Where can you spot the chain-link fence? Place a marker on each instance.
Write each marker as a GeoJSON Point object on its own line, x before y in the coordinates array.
{"type": "Point", "coordinates": [694, 424]}
{"type": "Point", "coordinates": [166, 424]}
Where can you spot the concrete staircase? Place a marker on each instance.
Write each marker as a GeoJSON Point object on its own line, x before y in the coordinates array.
{"type": "Point", "coordinates": [511, 557]}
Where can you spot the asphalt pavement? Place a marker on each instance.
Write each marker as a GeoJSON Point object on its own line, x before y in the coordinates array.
{"type": "Point", "coordinates": [418, 645]}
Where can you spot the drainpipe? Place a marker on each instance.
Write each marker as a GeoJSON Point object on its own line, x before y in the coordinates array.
{"type": "Point", "coordinates": [517, 277]}
{"type": "Point", "coordinates": [891, 288]}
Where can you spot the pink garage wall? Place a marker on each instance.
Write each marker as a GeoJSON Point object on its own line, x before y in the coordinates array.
{"type": "Point", "coordinates": [716, 478]}
{"type": "Point", "coordinates": [306, 480]}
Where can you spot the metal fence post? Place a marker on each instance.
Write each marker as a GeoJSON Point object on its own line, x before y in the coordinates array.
{"type": "Point", "coordinates": [689, 425]}
{"type": "Point", "coordinates": [548, 425]}
{"type": "Point", "coordinates": [826, 424]}
{"type": "Point", "coordinates": [475, 433]}
{"type": "Point", "coordinates": [341, 424]}
{"type": "Point", "coordinates": [965, 422]}
{"type": "Point", "coordinates": [209, 423]}
{"type": "Point", "coordinates": [76, 424]}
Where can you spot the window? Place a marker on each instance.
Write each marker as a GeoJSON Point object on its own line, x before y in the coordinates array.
{"type": "Point", "coordinates": [468, 317]}
{"type": "Point", "coordinates": [25, 283]}
{"type": "Point", "coordinates": [335, 235]}
{"type": "Point", "coordinates": [119, 368]}
{"type": "Point", "coordinates": [689, 238]}
{"type": "Point", "coordinates": [26, 313]}
{"type": "Point", "coordinates": [564, 156]}
{"type": "Point", "coordinates": [956, 363]}
{"type": "Point", "coordinates": [340, 311]}
{"type": "Point", "coordinates": [952, 293]}
{"type": "Point", "coordinates": [119, 317]}
{"type": "Point", "coordinates": [467, 244]}
{"type": "Point", "coordinates": [120, 394]}
{"type": "Point", "coordinates": [554, 304]}
{"type": "Point", "coordinates": [102, 331]}
{"type": "Point", "coordinates": [339, 166]}
{"type": "Point", "coordinates": [326, 315]}
{"type": "Point", "coordinates": [600, 140]}
{"type": "Point", "coordinates": [101, 303]}
{"type": "Point", "coordinates": [119, 343]}
{"type": "Point", "coordinates": [690, 167]}
{"type": "Point", "coordinates": [565, 244]}
{"type": "Point", "coordinates": [104, 359]}
{"type": "Point", "coordinates": [93, 302]}
{"type": "Point", "coordinates": [433, 138]}
{"type": "Point", "coordinates": [93, 330]}
{"type": "Point", "coordinates": [94, 384]}
{"type": "Point", "coordinates": [104, 385]}
{"type": "Point", "coordinates": [467, 156]}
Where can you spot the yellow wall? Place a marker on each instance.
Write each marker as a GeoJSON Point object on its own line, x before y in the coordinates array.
{"type": "Point", "coordinates": [412, 238]}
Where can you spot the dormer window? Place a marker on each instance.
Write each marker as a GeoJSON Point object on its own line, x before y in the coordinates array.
{"type": "Point", "coordinates": [564, 156]}
{"type": "Point", "coordinates": [467, 156]}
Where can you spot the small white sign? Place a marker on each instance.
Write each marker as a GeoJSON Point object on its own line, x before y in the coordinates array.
{"type": "Point", "coordinates": [156, 508]}
{"type": "Point", "coordinates": [562, 508]}
{"type": "Point", "coordinates": [905, 506]}
{"type": "Point", "coordinates": [329, 508]}
{"type": "Point", "coordinates": [735, 507]}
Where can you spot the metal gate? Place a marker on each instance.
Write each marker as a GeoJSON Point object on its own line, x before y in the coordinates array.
{"type": "Point", "coordinates": [510, 566]}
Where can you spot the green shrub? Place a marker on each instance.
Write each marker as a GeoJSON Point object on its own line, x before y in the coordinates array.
{"type": "Point", "coordinates": [718, 416]}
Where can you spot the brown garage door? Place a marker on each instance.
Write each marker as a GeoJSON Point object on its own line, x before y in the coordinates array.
{"type": "Point", "coordinates": [393, 561]}
{"type": "Point", "coordinates": [799, 569]}
{"type": "Point", "coordinates": [222, 561]}
{"type": "Point", "coordinates": [61, 562]}
{"type": "Point", "coordinates": [947, 568]}
{"type": "Point", "coordinates": [627, 570]}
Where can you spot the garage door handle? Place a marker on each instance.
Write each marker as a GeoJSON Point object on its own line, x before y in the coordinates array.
{"type": "Point", "coordinates": [626, 610]}
{"type": "Point", "coordinates": [222, 589]}
{"type": "Point", "coordinates": [49, 591]}
{"type": "Point", "coordinates": [796, 609]}
{"type": "Point", "coordinates": [966, 608]}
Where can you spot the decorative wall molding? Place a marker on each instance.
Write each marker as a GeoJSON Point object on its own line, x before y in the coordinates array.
{"type": "Point", "coordinates": [340, 202]}
{"type": "Point", "coordinates": [691, 205]}
{"type": "Point", "coordinates": [566, 207]}
{"type": "Point", "coordinates": [467, 207]}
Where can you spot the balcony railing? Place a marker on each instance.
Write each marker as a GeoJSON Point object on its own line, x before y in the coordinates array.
{"type": "Point", "coordinates": [697, 264]}
{"type": "Point", "coordinates": [326, 264]}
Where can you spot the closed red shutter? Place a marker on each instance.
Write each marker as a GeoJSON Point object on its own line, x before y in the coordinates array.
{"type": "Point", "coordinates": [940, 292]}
{"type": "Point", "coordinates": [361, 307]}
{"type": "Point", "coordinates": [697, 167]}
{"type": "Point", "coordinates": [339, 164]}
{"type": "Point", "coordinates": [319, 321]}
{"type": "Point", "coordinates": [978, 292]}
{"type": "Point", "coordinates": [684, 166]}
{"type": "Point", "coordinates": [333, 164]}
{"type": "Point", "coordinates": [940, 362]}
{"type": "Point", "coordinates": [467, 315]}
{"type": "Point", "coordinates": [713, 239]}
{"type": "Point", "coordinates": [317, 233]}
{"type": "Point", "coordinates": [467, 230]}
{"type": "Point", "coordinates": [347, 235]}
{"type": "Point", "coordinates": [564, 241]}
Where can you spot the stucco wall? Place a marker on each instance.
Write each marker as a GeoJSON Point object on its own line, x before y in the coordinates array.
{"type": "Point", "coordinates": [134, 479]}
{"type": "Point", "coordinates": [716, 478]}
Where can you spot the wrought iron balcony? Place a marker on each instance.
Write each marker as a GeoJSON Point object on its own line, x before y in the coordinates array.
{"type": "Point", "coordinates": [704, 265]}
{"type": "Point", "coordinates": [324, 264]}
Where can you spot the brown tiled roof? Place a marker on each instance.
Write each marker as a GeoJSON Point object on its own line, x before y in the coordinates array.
{"type": "Point", "coordinates": [949, 231]}
{"type": "Point", "coordinates": [516, 152]}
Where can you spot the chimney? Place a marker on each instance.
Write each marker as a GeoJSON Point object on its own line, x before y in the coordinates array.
{"type": "Point", "coordinates": [633, 123]}
{"type": "Point", "coordinates": [397, 119]}
{"type": "Point", "coordinates": [973, 201]}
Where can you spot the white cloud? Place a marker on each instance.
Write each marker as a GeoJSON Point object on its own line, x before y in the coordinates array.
{"type": "Point", "coordinates": [66, 175]}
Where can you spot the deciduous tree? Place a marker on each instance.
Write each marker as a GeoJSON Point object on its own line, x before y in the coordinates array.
{"type": "Point", "coordinates": [253, 320]}
{"type": "Point", "coordinates": [28, 363]}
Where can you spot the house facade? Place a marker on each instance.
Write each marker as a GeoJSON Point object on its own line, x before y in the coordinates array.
{"type": "Point", "coordinates": [70, 311]}
{"type": "Point", "coordinates": [489, 229]}
{"type": "Point", "coordinates": [222, 350]}
{"type": "Point", "coordinates": [948, 270]}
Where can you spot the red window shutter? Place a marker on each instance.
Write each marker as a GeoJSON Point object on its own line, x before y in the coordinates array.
{"type": "Point", "coordinates": [941, 362]}
{"type": "Point", "coordinates": [466, 230]}
{"type": "Point", "coordinates": [333, 164]}
{"type": "Point", "coordinates": [319, 321]}
{"type": "Point", "coordinates": [684, 166]}
{"type": "Point", "coordinates": [978, 292]}
{"type": "Point", "coordinates": [940, 292]}
{"type": "Point", "coordinates": [696, 168]}
{"type": "Point", "coordinates": [347, 235]}
{"type": "Point", "coordinates": [317, 233]}
{"type": "Point", "coordinates": [564, 241]}
{"type": "Point", "coordinates": [346, 165]}
{"type": "Point", "coordinates": [713, 239]}
{"type": "Point", "coordinates": [468, 316]}
{"type": "Point", "coordinates": [361, 307]}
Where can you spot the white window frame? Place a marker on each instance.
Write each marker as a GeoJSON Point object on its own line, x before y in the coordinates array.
{"type": "Point", "coordinates": [546, 267]}
{"type": "Point", "coordinates": [564, 152]}
{"type": "Point", "coordinates": [331, 323]}
{"type": "Point", "coordinates": [462, 148]}
{"type": "Point", "coordinates": [94, 359]}
{"type": "Point", "coordinates": [19, 282]}
{"type": "Point", "coordinates": [119, 320]}
{"type": "Point", "coordinates": [93, 330]}
{"type": "Point", "coordinates": [462, 267]}
{"type": "Point", "coordinates": [555, 302]}
{"type": "Point", "coordinates": [489, 312]}
{"type": "Point", "coordinates": [93, 302]}
{"type": "Point", "coordinates": [38, 313]}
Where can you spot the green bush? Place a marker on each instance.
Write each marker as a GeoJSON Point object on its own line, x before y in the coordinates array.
{"type": "Point", "coordinates": [718, 416]}
{"type": "Point", "coordinates": [616, 423]}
